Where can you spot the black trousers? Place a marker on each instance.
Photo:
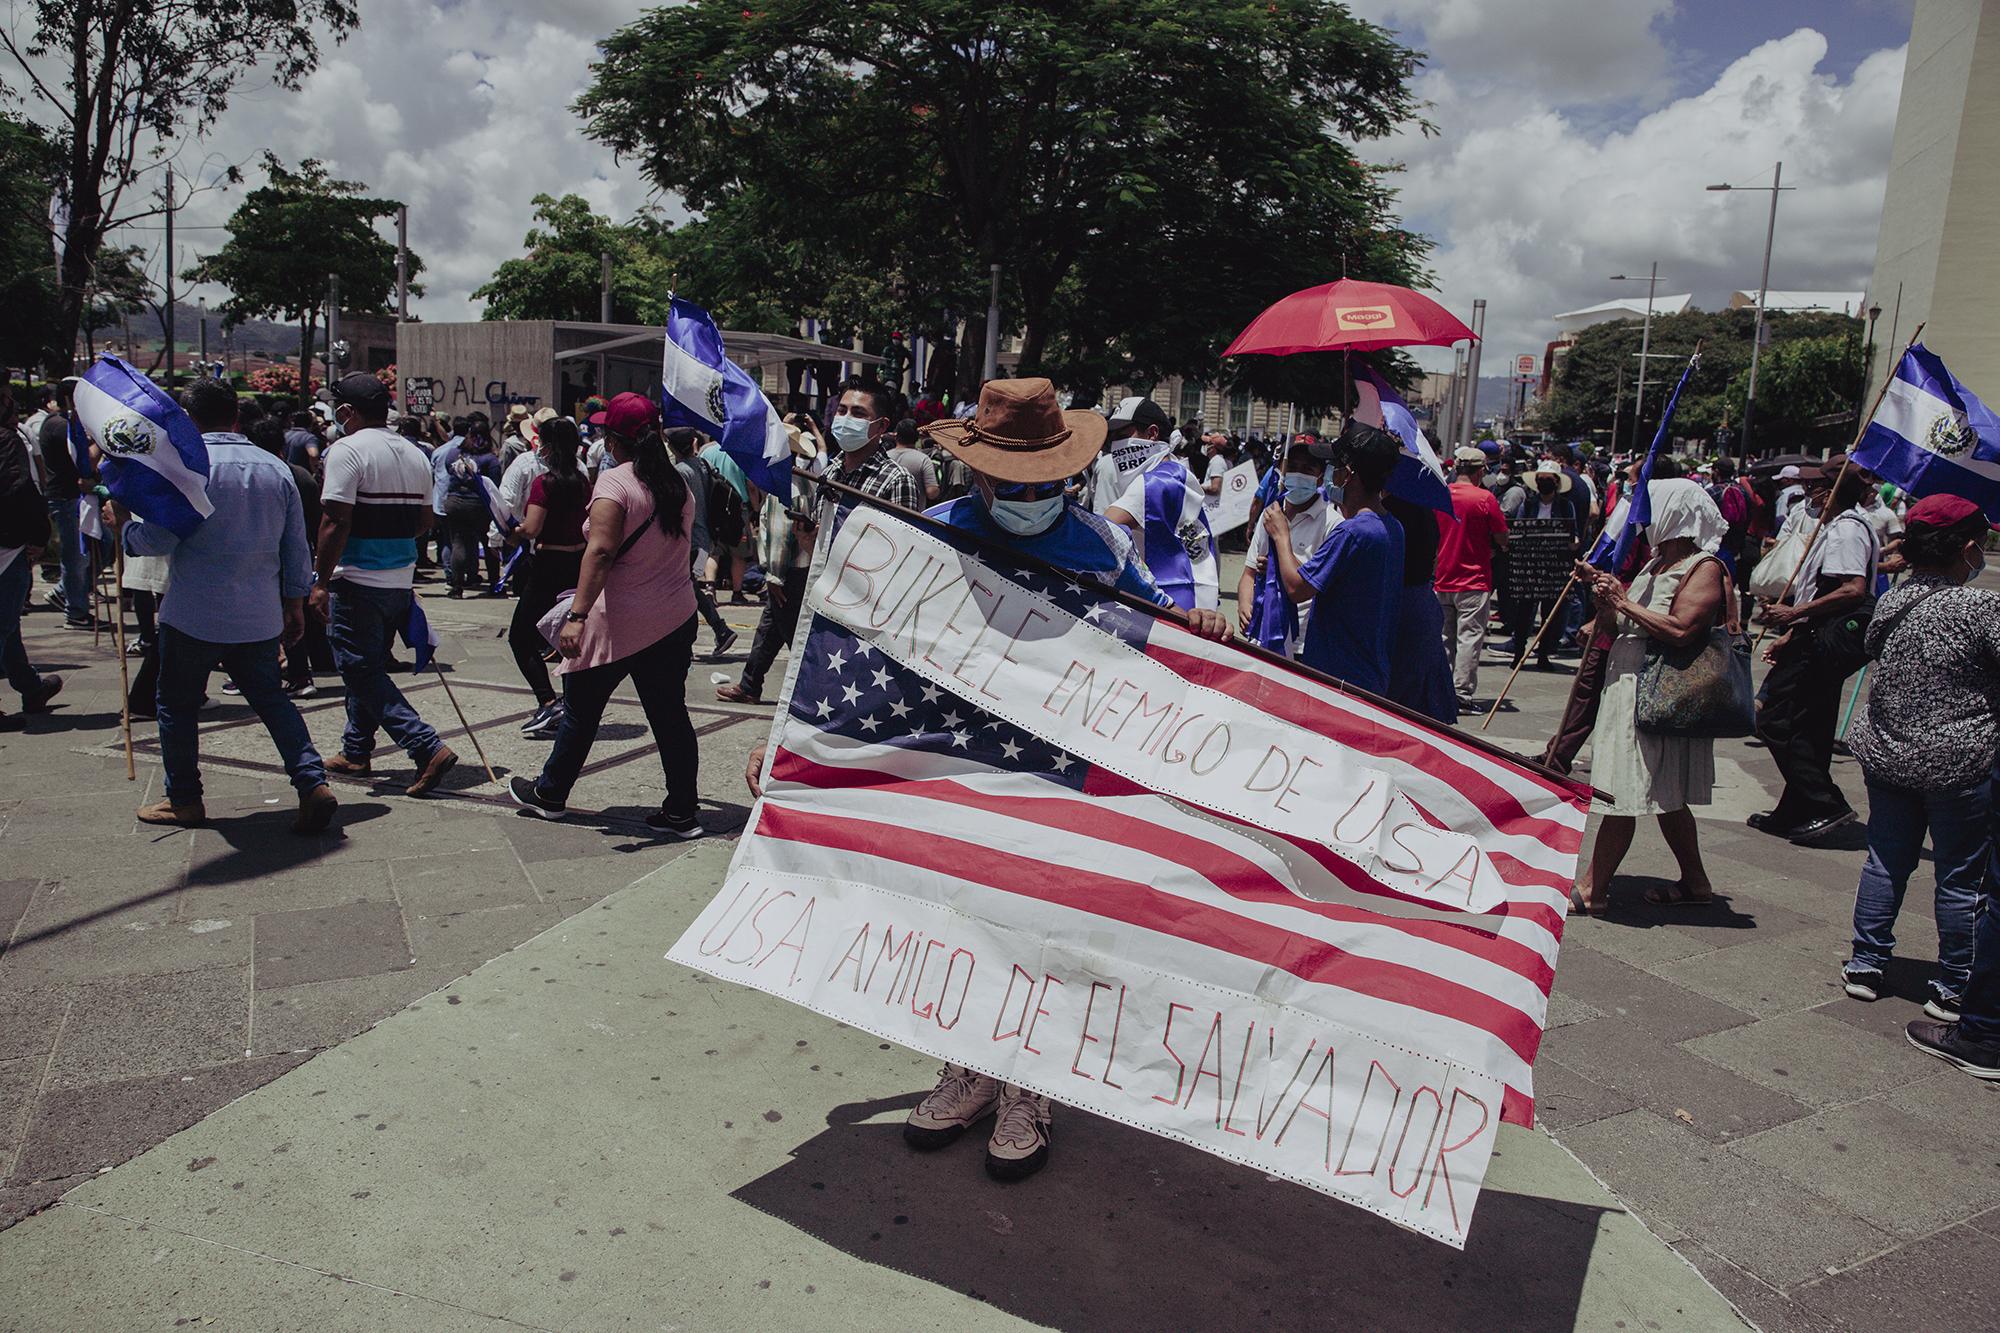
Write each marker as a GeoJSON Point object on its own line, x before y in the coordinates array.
{"type": "Point", "coordinates": [546, 576]}
{"type": "Point", "coordinates": [1801, 709]}
{"type": "Point", "coordinates": [659, 676]}
{"type": "Point", "coordinates": [466, 520]}
{"type": "Point", "coordinates": [774, 630]}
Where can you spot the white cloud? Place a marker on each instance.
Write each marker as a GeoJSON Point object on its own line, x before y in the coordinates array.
{"type": "Point", "coordinates": [460, 111]}
{"type": "Point", "coordinates": [1533, 208]}
{"type": "Point", "coordinates": [1562, 157]}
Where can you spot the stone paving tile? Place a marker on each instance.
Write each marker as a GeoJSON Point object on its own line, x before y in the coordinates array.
{"type": "Point", "coordinates": [324, 943]}
{"type": "Point", "coordinates": [152, 1025]}
{"type": "Point", "coordinates": [14, 896]}
{"type": "Point", "coordinates": [1948, 1097]}
{"type": "Point", "coordinates": [1988, 1222]}
{"type": "Point", "coordinates": [74, 1131]}
{"type": "Point", "coordinates": [1885, 1018]}
{"type": "Point", "coordinates": [20, 1080]}
{"type": "Point", "coordinates": [319, 1014]}
{"type": "Point", "coordinates": [1655, 1005]}
{"type": "Point", "coordinates": [461, 942]}
{"type": "Point", "coordinates": [470, 881]}
{"type": "Point", "coordinates": [313, 885]}
{"type": "Point", "coordinates": [575, 883]}
{"type": "Point", "coordinates": [1906, 1174]}
{"type": "Point", "coordinates": [1816, 1059]}
{"type": "Point", "coordinates": [1665, 1079]}
{"type": "Point", "coordinates": [1774, 1229]}
{"type": "Point", "coordinates": [19, 1201]}
{"type": "Point", "coordinates": [1565, 1098]}
{"type": "Point", "coordinates": [1624, 935]}
{"type": "Point", "coordinates": [140, 940]}
{"type": "Point", "coordinates": [29, 1021]}
{"type": "Point", "coordinates": [1758, 978]}
{"type": "Point", "coordinates": [1765, 1306]}
{"type": "Point", "coordinates": [1942, 1285]}
{"type": "Point", "coordinates": [1565, 1009]}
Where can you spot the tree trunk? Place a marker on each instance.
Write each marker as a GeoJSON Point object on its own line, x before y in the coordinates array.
{"type": "Point", "coordinates": [307, 323]}
{"type": "Point", "coordinates": [81, 242]}
{"type": "Point", "coordinates": [971, 357]}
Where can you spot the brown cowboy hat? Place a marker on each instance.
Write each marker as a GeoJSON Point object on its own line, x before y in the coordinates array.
{"type": "Point", "coordinates": [1020, 433]}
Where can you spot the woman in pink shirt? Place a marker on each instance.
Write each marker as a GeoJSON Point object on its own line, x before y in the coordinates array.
{"type": "Point", "coordinates": [633, 616]}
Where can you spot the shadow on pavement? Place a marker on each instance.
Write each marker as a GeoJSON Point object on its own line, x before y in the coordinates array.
{"type": "Point", "coordinates": [262, 842]}
{"type": "Point", "coordinates": [1128, 1230]}
{"type": "Point", "coordinates": [1630, 908]}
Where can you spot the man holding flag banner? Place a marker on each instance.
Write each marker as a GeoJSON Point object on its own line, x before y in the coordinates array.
{"type": "Point", "coordinates": [227, 514]}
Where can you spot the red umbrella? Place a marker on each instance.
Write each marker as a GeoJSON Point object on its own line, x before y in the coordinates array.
{"type": "Point", "coordinates": [1349, 316]}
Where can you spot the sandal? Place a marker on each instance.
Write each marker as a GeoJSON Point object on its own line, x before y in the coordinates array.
{"type": "Point", "coordinates": [1678, 896]}
{"type": "Point", "coordinates": [1580, 906]}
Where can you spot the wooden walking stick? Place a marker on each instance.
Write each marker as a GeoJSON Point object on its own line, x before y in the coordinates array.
{"type": "Point", "coordinates": [470, 734]}
{"type": "Point", "coordinates": [1561, 601]}
{"type": "Point", "coordinates": [1847, 461]}
{"type": "Point", "coordinates": [124, 663]}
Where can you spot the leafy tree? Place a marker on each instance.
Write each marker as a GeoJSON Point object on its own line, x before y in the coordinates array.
{"type": "Point", "coordinates": [1598, 377]}
{"type": "Point", "coordinates": [118, 287]}
{"type": "Point", "coordinates": [289, 236]}
{"type": "Point", "coordinates": [561, 277]}
{"type": "Point", "coordinates": [117, 82]}
{"type": "Point", "coordinates": [1149, 174]}
{"type": "Point", "coordinates": [28, 169]}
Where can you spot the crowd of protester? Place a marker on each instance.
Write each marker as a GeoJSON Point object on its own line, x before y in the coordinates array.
{"type": "Point", "coordinates": [620, 538]}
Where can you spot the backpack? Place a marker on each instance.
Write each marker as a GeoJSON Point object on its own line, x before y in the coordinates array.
{"type": "Point", "coordinates": [725, 508]}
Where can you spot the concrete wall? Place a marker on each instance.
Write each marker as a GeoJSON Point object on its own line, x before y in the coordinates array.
{"type": "Point", "coordinates": [479, 366]}
{"type": "Point", "coordinates": [1934, 259]}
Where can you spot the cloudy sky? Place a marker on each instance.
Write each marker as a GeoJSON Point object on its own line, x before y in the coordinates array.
{"type": "Point", "coordinates": [1574, 139]}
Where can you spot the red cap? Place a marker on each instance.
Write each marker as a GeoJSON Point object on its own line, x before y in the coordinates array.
{"type": "Point", "coordinates": [629, 414]}
{"type": "Point", "coordinates": [1940, 511]}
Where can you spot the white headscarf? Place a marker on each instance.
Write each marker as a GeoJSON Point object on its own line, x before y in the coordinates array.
{"type": "Point", "coordinates": [1681, 508]}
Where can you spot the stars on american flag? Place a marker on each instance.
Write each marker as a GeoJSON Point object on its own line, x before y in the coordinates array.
{"type": "Point", "coordinates": [892, 705]}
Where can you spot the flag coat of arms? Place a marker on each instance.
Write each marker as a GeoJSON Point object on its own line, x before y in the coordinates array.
{"type": "Point", "coordinates": [1933, 435]}
{"type": "Point", "coordinates": [703, 389]}
{"type": "Point", "coordinates": [155, 463]}
{"type": "Point", "coordinates": [1017, 824]}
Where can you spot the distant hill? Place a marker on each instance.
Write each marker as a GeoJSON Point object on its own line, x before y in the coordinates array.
{"type": "Point", "coordinates": [257, 335]}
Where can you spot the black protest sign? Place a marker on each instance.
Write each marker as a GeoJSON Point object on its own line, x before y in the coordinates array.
{"type": "Point", "coordinates": [1541, 552]}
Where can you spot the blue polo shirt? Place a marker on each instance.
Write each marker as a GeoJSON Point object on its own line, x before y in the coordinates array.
{"type": "Point", "coordinates": [1357, 577]}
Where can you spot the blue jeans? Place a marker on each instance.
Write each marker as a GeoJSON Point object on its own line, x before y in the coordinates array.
{"type": "Point", "coordinates": [185, 662]}
{"type": "Point", "coordinates": [1960, 824]}
{"type": "Point", "coordinates": [15, 584]}
{"type": "Point", "coordinates": [1979, 1005]}
{"type": "Point", "coordinates": [75, 564]}
{"type": "Point", "coordinates": [362, 623]}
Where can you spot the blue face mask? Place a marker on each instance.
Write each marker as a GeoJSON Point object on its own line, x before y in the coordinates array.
{"type": "Point", "coordinates": [850, 433]}
{"type": "Point", "coordinates": [1300, 487]}
{"type": "Point", "coordinates": [1025, 518]}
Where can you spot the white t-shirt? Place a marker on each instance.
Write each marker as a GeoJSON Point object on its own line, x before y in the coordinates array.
{"type": "Point", "coordinates": [1103, 484]}
{"type": "Point", "coordinates": [1881, 516]}
{"type": "Point", "coordinates": [1218, 468]}
{"type": "Point", "coordinates": [388, 481]}
{"type": "Point", "coordinates": [1846, 547]}
{"type": "Point", "coordinates": [520, 475]}
{"type": "Point", "coordinates": [1788, 499]}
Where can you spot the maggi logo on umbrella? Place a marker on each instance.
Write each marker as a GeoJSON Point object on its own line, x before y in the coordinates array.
{"type": "Point", "coordinates": [1363, 317]}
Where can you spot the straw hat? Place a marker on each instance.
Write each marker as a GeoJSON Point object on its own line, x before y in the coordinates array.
{"type": "Point", "coordinates": [1020, 433]}
{"type": "Point", "coordinates": [1548, 467]}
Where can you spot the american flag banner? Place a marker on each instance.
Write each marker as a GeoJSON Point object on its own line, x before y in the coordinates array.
{"type": "Point", "coordinates": [1014, 822]}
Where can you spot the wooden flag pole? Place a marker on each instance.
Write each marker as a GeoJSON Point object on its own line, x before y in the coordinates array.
{"type": "Point", "coordinates": [470, 734]}
{"type": "Point", "coordinates": [1561, 601]}
{"type": "Point", "coordinates": [1847, 461]}
{"type": "Point", "coordinates": [124, 663]}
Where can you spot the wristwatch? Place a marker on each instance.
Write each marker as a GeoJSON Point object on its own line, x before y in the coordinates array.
{"type": "Point", "coordinates": [575, 618]}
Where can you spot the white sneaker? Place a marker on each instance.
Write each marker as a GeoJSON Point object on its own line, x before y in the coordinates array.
{"type": "Point", "coordinates": [960, 1099]}
{"type": "Point", "coordinates": [1020, 1143]}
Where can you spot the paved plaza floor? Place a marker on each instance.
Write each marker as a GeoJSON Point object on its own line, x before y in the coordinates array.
{"type": "Point", "coordinates": [429, 1070]}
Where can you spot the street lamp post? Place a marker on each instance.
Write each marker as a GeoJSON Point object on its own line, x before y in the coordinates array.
{"type": "Point", "coordinates": [1776, 187]}
{"type": "Point", "coordinates": [1652, 281]}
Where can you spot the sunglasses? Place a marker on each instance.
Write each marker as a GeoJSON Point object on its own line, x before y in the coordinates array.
{"type": "Point", "coordinates": [1026, 490]}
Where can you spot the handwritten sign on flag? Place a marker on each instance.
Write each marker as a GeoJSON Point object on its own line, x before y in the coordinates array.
{"type": "Point", "coordinates": [1021, 827]}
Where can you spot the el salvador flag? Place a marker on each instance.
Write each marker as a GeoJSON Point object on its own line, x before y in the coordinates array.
{"type": "Point", "coordinates": [703, 389]}
{"type": "Point", "coordinates": [417, 633]}
{"type": "Point", "coordinates": [155, 463]}
{"type": "Point", "coordinates": [1614, 549]}
{"type": "Point", "coordinates": [1931, 435]}
{"type": "Point", "coordinates": [1419, 476]}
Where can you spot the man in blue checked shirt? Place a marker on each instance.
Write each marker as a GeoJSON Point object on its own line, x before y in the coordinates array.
{"type": "Point", "coordinates": [236, 586]}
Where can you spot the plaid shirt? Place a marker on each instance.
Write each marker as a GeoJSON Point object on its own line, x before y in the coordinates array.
{"type": "Point", "coordinates": [884, 478]}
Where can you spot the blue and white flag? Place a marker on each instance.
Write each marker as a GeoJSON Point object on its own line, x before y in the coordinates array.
{"type": "Point", "coordinates": [1931, 435]}
{"type": "Point", "coordinates": [703, 389]}
{"type": "Point", "coordinates": [155, 463]}
{"type": "Point", "coordinates": [418, 634]}
{"type": "Point", "coordinates": [1179, 545]}
{"type": "Point", "coordinates": [1419, 476]}
{"type": "Point", "coordinates": [1614, 549]}
{"type": "Point", "coordinates": [504, 518]}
